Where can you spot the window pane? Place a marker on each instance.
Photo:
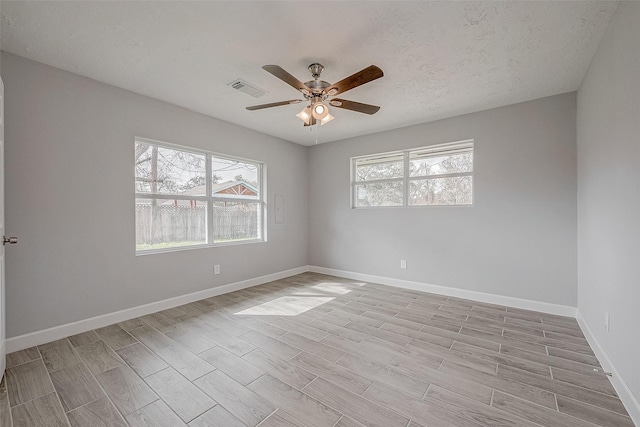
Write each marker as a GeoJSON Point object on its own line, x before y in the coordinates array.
{"type": "Point", "coordinates": [380, 167]}
{"type": "Point", "coordinates": [423, 164]}
{"type": "Point", "coordinates": [164, 224]}
{"type": "Point", "coordinates": [162, 170]}
{"type": "Point", "coordinates": [379, 194]}
{"type": "Point", "coordinates": [234, 221]}
{"type": "Point", "coordinates": [235, 178]}
{"type": "Point", "coordinates": [441, 191]}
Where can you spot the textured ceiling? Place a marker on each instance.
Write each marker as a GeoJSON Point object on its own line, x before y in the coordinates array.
{"type": "Point", "coordinates": [440, 59]}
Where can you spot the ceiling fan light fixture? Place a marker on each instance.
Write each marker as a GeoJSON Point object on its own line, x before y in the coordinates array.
{"type": "Point", "coordinates": [305, 114]}
{"type": "Point", "coordinates": [319, 110]}
{"type": "Point", "coordinates": [327, 119]}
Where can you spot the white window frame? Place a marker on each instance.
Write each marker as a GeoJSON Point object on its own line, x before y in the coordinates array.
{"type": "Point", "coordinates": [209, 199]}
{"type": "Point", "coordinates": [443, 149]}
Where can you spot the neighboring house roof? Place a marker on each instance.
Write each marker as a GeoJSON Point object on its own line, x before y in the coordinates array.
{"type": "Point", "coordinates": [231, 189]}
{"type": "Point", "coordinates": [243, 187]}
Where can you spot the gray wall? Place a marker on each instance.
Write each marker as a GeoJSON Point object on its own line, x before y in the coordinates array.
{"type": "Point", "coordinates": [69, 198]}
{"type": "Point", "coordinates": [519, 238]}
{"type": "Point", "coordinates": [608, 124]}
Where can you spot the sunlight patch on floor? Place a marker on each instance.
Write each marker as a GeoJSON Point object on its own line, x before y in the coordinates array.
{"type": "Point", "coordinates": [285, 306]}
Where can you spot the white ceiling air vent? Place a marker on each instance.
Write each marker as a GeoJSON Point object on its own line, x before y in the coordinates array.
{"type": "Point", "coordinates": [248, 88]}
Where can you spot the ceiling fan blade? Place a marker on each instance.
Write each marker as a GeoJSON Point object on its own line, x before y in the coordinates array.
{"type": "Point", "coordinates": [273, 104]}
{"type": "Point", "coordinates": [283, 75]}
{"type": "Point", "coordinates": [361, 77]}
{"type": "Point", "coordinates": [354, 106]}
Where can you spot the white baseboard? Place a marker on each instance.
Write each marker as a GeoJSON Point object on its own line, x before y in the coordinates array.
{"type": "Point", "coordinates": [626, 396]}
{"type": "Point", "coordinates": [544, 307]}
{"type": "Point", "coordinates": [57, 332]}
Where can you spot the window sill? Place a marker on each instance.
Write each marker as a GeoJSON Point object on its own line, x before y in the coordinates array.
{"type": "Point", "coordinates": [202, 246]}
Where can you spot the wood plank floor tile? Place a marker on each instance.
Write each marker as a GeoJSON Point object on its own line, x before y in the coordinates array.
{"type": "Point", "coordinates": [337, 374]}
{"type": "Point", "coordinates": [459, 357]}
{"type": "Point", "coordinates": [234, 366]}
{"type": "Point", "coordinates": [561, 388]}
{"type": "Point", "coordinates": [375, 346]}
{"type": "Point", "coordinates": [240, 401]}
{"type": "Point", "coordinates": [502, 359]}
{"type": "Point", "coordinates": [271, 345]}
{"type": "Point", "coordinates": [345, 317]}
{"type": "Point", "coordinates": [535, 413]}
{"type": "Point", "coordinates": [379, 333]}
{"type": "Point", "coordinates": [311, 346]}
{"type": "Point", "coordinates": [566, 338]}
{"type": "Point", "coordinates": [592, 414]}
{"type": "Point", "coordinates": [563, 345]}
{"type": "Point", "coordinates": [353, 405]}
{"type": "Point", "coordinates": [340, 331]}
{"type": "Point", "coordinates": [593, 381]}
{"type": "Point", "coordinates": [185, 362]}
{"type": "Point", "coordinates": [75, 386]}
{"type": "Point", "coordinates": [58, 354]}
{"type": "Point", "coordinates": [22, 356]}
{"type": "Point", "coordinates": [43, 411]}
{"type": "Point", "coordinates": [507, 338]}
{"type": "Point", "coordinates": [433, 338]}
{"type": "Point", "coordinates": [115, 337]}
{"type": "Point", "coordinates": [27, 381]}
{"type": "Point", "coordinates": [507, 385]}
{"type": "Point", "coordinates": [184, 398]}
{"type": "Point", "coordinates": [99, 413]}
{"type": "Point", "coordinates": [294, 402]}
{"type": "Point", "coordinates": [173, 313]}
{"type": "Point", "coordinates": [130, 324]}
{"type": "Point", "coordinates": [156, 414]}
{"type": "Point", "coordinates": [444, 323]}
{"type": "Point", "coordinates": [219, 336]}
{"type": "Point", "coordinates": [190, 339]}
{"type": "Point", "coordinates": [126, 390]}
{"type": "Point", "coordinates": [218, 417]}
{"type": "Point", "coordinates": [98, 357]}
{"type": "Point", "coordinates": [159, 322]}
{"type": "Point", "coordinates": [353, 347]}
{"type": "Point", "coordinates": [260, 326]}
{"type": "Point", "coordinates": [348, 422]}
{"type": "Point", "coordinates": [450, 381]}
{"type": "Point", "coordinates": [472, 410]}
{"type": "Point", "coordinates": [83, 338]}
{"type": "Point", "coordinates": [383, 374]}
{"type": "Point", "coordinates": [332, 351]}
{"type": "Point", "coordinates": [5, 407]}
{"type": "Point", "coordinates": [281, 369]}
{"type": "Point", "coordinates": [573, 356]}
{"type": "Point", "coordinates": [141, 360]}
{"type": "Point", "coordinates": [278, 420]}
{"type": "Point", "coordinates": [416, 409]}
{"type": "Point", "coordinates": [543, 359]}
{"type": "Point", "coordinates": [305, 331]}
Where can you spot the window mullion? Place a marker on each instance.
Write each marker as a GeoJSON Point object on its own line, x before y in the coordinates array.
{"type": "Point", "coordinates": [405, 184]}
{"type": "Point", "coordinates": [208, 189]}
{"type": "Point", "coordinates": [444, 175]}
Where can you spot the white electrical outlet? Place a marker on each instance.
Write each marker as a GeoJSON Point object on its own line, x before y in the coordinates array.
{"type": "Point", "coordinates": [607, 321]}
{"type": "Point", "coordinates": [403, 263]}
{"type": "Point", "coordinates": [216, 269]}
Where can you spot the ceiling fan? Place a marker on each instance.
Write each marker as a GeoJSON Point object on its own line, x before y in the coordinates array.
{"type": "Point", "coordinates": [318, 92]}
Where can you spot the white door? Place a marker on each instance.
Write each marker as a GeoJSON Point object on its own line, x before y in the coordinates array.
{"type": "Point", "coordinates": [2, 335]}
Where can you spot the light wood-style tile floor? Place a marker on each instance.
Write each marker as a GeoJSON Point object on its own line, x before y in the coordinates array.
{"type": "Point", "coordinates": [317, 351]}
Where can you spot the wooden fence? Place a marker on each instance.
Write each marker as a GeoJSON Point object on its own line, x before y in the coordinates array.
{"type": "Point", "coordinates": [172, 223]}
